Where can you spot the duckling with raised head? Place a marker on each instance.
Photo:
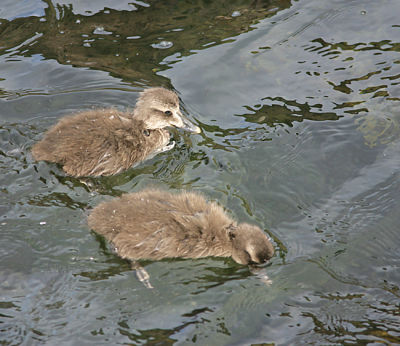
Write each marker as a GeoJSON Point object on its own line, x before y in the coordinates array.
{"type": "Point", "coordinates": [108, 141]}
{"type": "Point", "coordinates": [155, 224]}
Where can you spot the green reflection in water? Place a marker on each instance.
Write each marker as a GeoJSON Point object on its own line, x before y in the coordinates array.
{"type": "Point", "coordinates": [304, 149]}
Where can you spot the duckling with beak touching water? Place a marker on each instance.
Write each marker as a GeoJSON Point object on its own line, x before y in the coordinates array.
{"type": "Point", "coordinates": [108, 141]}
{"type": "Point", "coordinates": [155, 224]}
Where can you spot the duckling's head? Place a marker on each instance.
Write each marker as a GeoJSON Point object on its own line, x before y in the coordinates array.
{"type": "Point", "coordinates": [250, 245]}
{"type": "Point", "coordinates": [159, 108]}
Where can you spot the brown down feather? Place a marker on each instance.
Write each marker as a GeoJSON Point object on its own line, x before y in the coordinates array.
{"type": "Point", "coordinates": [99, 142]}
{"type": "Point", "coordinates": [108, 141]}
{"type": "Point", "coordinates": [155, 224]}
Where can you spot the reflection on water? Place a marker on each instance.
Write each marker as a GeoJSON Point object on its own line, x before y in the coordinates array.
{"type": "Point", "coordinates": [299, 107]}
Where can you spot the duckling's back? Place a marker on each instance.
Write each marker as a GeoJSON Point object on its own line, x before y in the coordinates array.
{"type": "Point", "coordinates": [155, 224]}
{"type": "Point", "coordinates": [98, 142]}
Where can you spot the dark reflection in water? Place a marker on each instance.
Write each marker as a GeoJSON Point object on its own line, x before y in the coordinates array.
{"type": "Point", "coordinates": [299, 108]}
{"type": "Point", "coordinates": [287, 112]}
{"type": "Point", "coordinates": [122, 42]}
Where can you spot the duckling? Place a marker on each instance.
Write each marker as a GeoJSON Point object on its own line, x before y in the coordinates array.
{"type": "Point", "coordinates": [107, 141]}
{"type": "Point", "coordinates": [155, 224]}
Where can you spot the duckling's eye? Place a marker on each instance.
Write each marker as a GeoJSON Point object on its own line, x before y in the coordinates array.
{"type": "Point", "coordinates": [169, 113]}
{"type": "Point", "coordinates": [146, 133]}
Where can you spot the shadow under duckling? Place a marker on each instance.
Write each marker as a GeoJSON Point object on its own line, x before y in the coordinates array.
{"type": "Point", "coordinates": [108, 141]}
{"type": "Point", "coordinates": [155, 224]}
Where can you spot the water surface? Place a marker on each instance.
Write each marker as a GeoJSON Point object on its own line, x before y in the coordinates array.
{"type": "Point", "coordinates": [299, 104]}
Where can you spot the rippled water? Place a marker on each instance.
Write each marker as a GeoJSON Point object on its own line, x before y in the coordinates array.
{"type": "Point", "coordinates": [299, 103]}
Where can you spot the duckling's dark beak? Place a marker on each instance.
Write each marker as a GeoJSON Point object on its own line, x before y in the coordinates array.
{"type": "Point", "coordinates": [188, 125]}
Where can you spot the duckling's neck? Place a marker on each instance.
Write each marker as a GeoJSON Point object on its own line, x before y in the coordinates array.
{"type": "Point", "coordinates": [142, 114]}
{"type": "Point", "coordinates": [141, 111]}
{"type": "Point", "coordinates": [220, 223]}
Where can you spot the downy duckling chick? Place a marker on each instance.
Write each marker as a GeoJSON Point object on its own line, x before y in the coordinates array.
{"type": "Point", "coordinates": [155, 224]}
{"type": "Point", "coordinates": [107, 141]}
